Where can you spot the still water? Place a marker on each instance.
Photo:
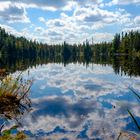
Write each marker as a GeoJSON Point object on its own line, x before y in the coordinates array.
{"type": "Point", "coordinates": [80, 102]}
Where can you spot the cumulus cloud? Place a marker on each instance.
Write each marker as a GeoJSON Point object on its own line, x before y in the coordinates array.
{"type": "Point", "coordinates": [135, 25]}
{"type": "Point", "coordinates": [123, 2]}
{"type": "Point", "coordinates": [10, 30]}
{"type": "Point", "coordinates": [44, 4]}
{"type": "Point", "coordinates": [137, 20]}
{"type": "Point", "coordinates": [23, 32]}
{"type": "Point", "coordinates": [96, 15]}
{"type": "Point", "coordinates": [55, 22]}
{"type": "Point", "coordinates": [83, 23]}
{"type": "Point", "coordinates": [55, 4]}
{"type": "Point", "coordinates": [84, 20]}
{"type": "Point", "coordinates": [14, 13]}
{"type": "Point", "coordinates": [131, 29]}
{"type": "Point", "coordinates": [99, 37]}
{"type": "Point", "coordinates": [4, 4]}
{"type": "Point", "coordinates": [41, 19]}
{"type": "Point", "coordinates": [39, 29]}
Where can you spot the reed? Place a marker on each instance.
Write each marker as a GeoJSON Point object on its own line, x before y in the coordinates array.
{"type": "Point", "coordinates": [14, 96]}
{"type": "Point", "coordinates": [132, 116]}
{"type": "Point", "coordinates": [14, 102]}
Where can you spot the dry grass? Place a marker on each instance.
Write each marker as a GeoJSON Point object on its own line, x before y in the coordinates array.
{"type": "Point", "coordinates": [13, 96]}
{"type": "Point", "coordinates": [14, 102]}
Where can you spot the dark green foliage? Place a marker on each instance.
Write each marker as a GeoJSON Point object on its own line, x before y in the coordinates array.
{"type": "Point", "coordinates": [128, 43]}
{"type": "Point", "coordinates": [87, 50]}
{"type": "Point", "coordinates": [66, 52]}
{"type": "Point", "coordinates": [19, 51]}
{"type": "Point", "coordinates": [116, 43]}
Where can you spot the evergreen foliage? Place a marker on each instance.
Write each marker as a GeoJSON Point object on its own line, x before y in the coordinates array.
{"type": "Point", "coordinates": [128, 43]}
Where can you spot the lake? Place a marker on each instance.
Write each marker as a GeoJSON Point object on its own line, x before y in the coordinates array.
{"type": "Point", "coordinates": [79, 100]}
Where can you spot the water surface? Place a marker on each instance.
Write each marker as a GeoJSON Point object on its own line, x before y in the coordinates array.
{"type": "Point", "coordinates": [79, 102]}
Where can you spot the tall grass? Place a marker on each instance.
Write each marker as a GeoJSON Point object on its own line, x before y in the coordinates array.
{"type": "Point", "coordinates": [14, 96]}
{"type": "Point", "coordinates": [14, 101]}
{"type": "Point", "coordinates": [11, 86]}
{"type": "Point", "coordinates": [132, 116]}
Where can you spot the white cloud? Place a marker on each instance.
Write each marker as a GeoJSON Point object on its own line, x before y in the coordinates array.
{"type": "Point", "coordinates": [102, 36]}
{"type": "Point", "coordinates": [24, 32]}
{"type": "Point", "coordinates": [44, 4]}
{"type": "Point", "coordinates": [4, 5]}
{"type": "Point", "coordinates": [137, 20]}
{"type": "Point", "coordinates": [82, 24]}
{"type": "Point", "coordinates": [131, 29]}
{"type": "Point", "coordinates": [14, 13]}
{"type": "Point", "coordinates": [133, 25]}
{"type": "Point", "coordinates": [55, 23]}
{"type": "Point", "coordinates": [65, 5]}
{"type": "Point", "coordinates": [123, 2]}
{"type": "Point", "coordinates": [101, 17]}
{"type": "Point", "coordinates": [41, 19]}
{"type": "Point", "coordinates": [39, 29]}
{"type": "Point", "coordinates": [84, 21]}
{"type": "Point", "coordinates": [10, 30]}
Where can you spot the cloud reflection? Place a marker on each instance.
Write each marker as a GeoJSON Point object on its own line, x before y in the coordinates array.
{"type": "Point", "coordinates": [75, 102]}
{"type": "Point", "coordinates": [73, 111]}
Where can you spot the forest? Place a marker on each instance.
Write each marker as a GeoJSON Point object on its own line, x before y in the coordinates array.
{"type": "Point", "coordinates": [127, 43]}
{"type": "Point", "coordinates": [18, 54]}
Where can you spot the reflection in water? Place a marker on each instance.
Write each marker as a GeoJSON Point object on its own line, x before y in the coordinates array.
{"type": "Point", "coordinates": [12, 108]}
{"type": "Point", "coordinates": [121, 64]}
{"type": "Point", "coordinates": [11, 112]}
{"type": "Point", "coordinates": [14, 104]}
{"type": "Point", "coordinates": [75, 102]}
{"type": "Point", "coordinates": [60, 106]}
{"type": "Point", "coordinates": [79, 101]}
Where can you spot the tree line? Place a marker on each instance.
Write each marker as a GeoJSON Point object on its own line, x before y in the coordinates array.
{"type": "Point", "coordinates": [124, 43]}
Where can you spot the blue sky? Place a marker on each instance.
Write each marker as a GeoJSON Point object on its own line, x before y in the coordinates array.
{"type": "Point", "coordinates": [74, 21]}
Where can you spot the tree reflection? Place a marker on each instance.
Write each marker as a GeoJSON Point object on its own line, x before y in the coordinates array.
{"type": "Point", "coordinates": [125, 64]}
